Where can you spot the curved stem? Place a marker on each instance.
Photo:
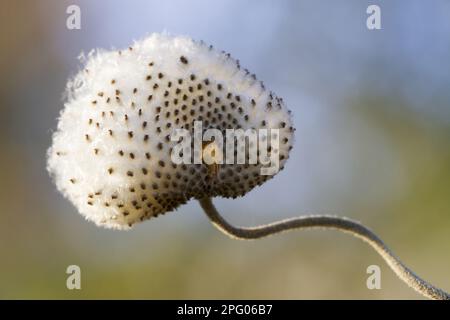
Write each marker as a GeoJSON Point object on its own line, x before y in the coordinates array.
{"type": "Point", "coordinates": [330, 222]}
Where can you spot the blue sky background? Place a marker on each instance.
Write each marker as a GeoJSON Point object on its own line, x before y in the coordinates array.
{"type": "Point", "coordinates": [372, 112]}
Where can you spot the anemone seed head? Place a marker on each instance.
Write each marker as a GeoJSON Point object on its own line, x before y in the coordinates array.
{"type": "Point", "coordinates": [111, 153]}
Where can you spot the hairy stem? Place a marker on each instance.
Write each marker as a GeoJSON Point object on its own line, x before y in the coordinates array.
{"type": "Point", "coordinates": [330, 222]}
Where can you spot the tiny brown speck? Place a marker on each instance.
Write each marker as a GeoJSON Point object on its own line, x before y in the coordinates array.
{"type": "Point", "coordinates": [183, 59]}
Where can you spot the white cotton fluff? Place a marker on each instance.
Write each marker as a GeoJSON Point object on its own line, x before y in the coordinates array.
{"type": "Point", "coordinates": [111, 153]}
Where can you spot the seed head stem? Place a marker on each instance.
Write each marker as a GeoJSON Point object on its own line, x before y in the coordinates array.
{"type": "Point", "coordinates": [328, 222]}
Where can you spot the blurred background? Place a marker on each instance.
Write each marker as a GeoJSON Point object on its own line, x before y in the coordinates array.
{"type": "Point", "coordinates": [372, 111]}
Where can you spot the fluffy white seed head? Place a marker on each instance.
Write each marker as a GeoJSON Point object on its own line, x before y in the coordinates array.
{"type": "Point", "coordinates": [111, 153]}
